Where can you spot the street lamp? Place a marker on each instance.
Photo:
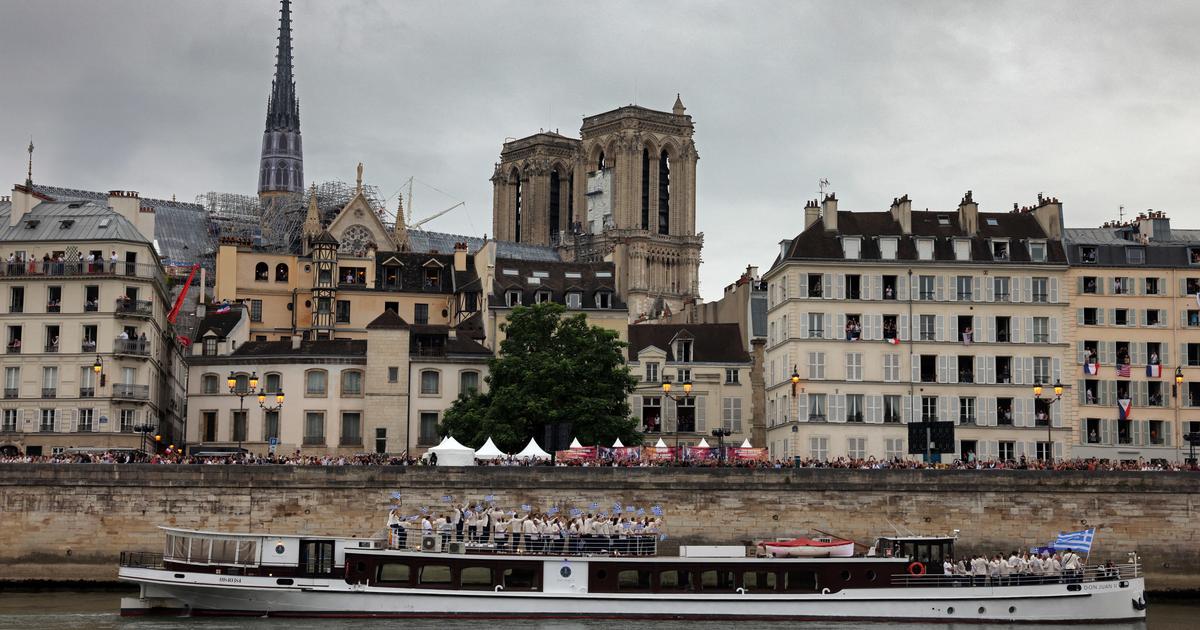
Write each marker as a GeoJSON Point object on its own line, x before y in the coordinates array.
{"type": "Point", "coordinates": [98, 369]}
{"type": "Point", "coordinates": [232, 381]}
{"type": "Point", "coordinates": [721, 433]}
{"type": "Point", "coordinates": [1037, 394]}
{"type": "Point", "coordinates": [262, 404]}
{"type": "Point", "coordinates": [687, 391]}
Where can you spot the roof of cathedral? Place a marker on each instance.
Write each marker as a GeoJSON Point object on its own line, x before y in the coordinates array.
{"type": "Point", "coordinates": [283, 108]}
{"type": "Point", "coordinates": [181, 229]}
{"type": "Point", "coordinates": [712, 343]}
{"type": "Point", "coordinates": [423, 241]}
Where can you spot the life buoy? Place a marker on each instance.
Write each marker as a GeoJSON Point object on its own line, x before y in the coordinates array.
{"type": "Point", "coordinates": [916, 568]}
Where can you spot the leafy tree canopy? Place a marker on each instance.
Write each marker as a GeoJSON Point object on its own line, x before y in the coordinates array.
{"type": "Point", "coordinates": [551, 369]}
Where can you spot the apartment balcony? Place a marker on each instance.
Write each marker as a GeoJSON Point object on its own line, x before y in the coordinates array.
{"type": "Point", "coordinates": [49, 392]}
{"type": "Point", "coordinates": [87, 392]}
{"type": "Point", "coordinates": [11, 392]}
{"type": "Point", "coordinates": [130, 391]}
{"type": "Point", "coordinates": [14, 348]}
{"type": "Point", "coordinates": [8, 428]}
{"type": "Point", "coordinates": [53, 308]}
{"type": "Point", "coordinates": [135, 347]}
{"type": "Point", "coordinates": [135, 308]}
{"type": "Point", "coordinates": [816, 417]}
{"type": "Point", "coordinates": [51, 347]}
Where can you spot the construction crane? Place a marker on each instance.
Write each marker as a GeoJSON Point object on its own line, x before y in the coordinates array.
{"type": "Point", "coordinates": [409, 204]}
{"type": "Point", "coordinates": [184, 340]}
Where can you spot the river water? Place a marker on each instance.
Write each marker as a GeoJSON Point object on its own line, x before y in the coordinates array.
{"type": "Point", "coordinates": [97, 610]}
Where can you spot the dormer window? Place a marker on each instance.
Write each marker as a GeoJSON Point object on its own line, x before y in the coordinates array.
{"type": "Point", "coordinates": [1037, 251]}
{"type": "Point", "coordinates": [574, 299]}
{"type": "Point", "coordinates": [433, 278]}
{"type": "Point", "coordinates": [1087, 254]}
{"type": "Point", "coordinates": [962, 249]}
{"type": "Point", "coordinates": [603, 299]}
{"type": "Point", "coordinates": [943, 219]}
{"type": "Point", "coordinates": [1000, 250]}
{"type": "Point", "coordinates": [541, 297]}
{"type": "Point", "coordinates": [852, 247]}
{"type": "Point", "coordinates": [1135, 255]}
{"type": "Point", "coordinates": [683, 351]}
{"type": "Point", "coordinates": [1194, 255]}
{"type": "Point", "coordinates": [512, 297]}
{"type": "Point", "coordinates": [925, 249]}
{"type": "Point", "coordinates": [887, 247]}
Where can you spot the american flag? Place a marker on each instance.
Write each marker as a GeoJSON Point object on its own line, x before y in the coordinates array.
{"type": "Point", "coordinates": [1124, 370]}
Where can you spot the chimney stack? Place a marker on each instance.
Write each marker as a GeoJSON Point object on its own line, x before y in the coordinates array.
{"type": "Point", "coordinates": [460, 257]}
{"type": "Point", "coordinates": [902, 213]}
{"type": "Point", "coordinates": [1049, 215]}
{"type": "Point", "coordinates": [829, 214]}
{"type": "Point", "coordinates": [295, 342]}
{"type": "Point", "coordinates": [23, 200]}
{"type": "Point", "coordinates": [812, 212]}
{"type": "Point", "coordinates": [968, 214]}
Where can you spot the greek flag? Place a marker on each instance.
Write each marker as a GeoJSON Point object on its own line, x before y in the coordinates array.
{"type": "Point", "coordinates": [1076, 541]}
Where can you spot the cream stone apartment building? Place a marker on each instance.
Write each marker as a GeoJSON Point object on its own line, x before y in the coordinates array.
{"type": "Point", "coordinates": [881, 319]}
{"type": "Point", "coordinates": [90, 360]}
{"type": "Point", "coordinates": [1135, 317]}
{"type": "Point", "coordinates": [714, 360]}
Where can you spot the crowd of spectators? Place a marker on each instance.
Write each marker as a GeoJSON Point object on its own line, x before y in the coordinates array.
{"type": "Point", "coordinates": [375, 459]}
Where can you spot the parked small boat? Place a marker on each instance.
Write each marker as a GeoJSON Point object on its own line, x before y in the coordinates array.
{"type": "Point", "coordinates": [809, 548]}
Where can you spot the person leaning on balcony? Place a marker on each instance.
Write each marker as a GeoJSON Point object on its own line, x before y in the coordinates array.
{"type": "Point", "coordinates": [112, 264]}
{"type": "Point", "coordinates": [124, 336]}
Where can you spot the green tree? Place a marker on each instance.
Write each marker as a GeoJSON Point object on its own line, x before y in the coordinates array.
{"type": "Point", "coordinates": [551, 369]}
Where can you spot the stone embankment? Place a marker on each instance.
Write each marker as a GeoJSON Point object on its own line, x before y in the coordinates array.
{"type": "Point", "coordinates": [69, 522]}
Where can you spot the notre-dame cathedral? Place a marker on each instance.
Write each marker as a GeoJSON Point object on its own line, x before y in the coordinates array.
{"type": "Point", "coordinates": [624, 191]}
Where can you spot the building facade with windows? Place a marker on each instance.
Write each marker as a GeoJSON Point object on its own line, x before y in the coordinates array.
{"type": "Point", "coordinates": [713, 358]}
{"type": "Point", "coordinates": [895, 317]}
{"type": "Point", "coordinates": [382, 394]}
{"type": "Point", "coordinates": [1135, 317]}
{"type": "Point", "coordinates": [89, 356]}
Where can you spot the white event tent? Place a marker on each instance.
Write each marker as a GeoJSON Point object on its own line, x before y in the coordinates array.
{"type": "Point", "coordinates": [489, 451]}
{"type": "Point", "coordinates": [451, 453]}
{"type": "Point", "coordinates": [532, 451]}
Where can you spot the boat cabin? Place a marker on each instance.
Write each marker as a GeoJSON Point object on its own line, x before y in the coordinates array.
{"type": "Point", "coordinates": [930, 551]}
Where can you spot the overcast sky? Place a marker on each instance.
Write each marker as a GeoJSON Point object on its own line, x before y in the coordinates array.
{"type": "Point", "coordinates": [1096, 103]}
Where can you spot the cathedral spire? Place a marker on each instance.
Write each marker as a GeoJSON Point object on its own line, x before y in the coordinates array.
{"type": "Point", "coordinates": [281, 167]}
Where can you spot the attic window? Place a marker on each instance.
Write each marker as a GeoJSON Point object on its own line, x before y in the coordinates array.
{"type": "Point", "coordinates": [574, 299]}
{"type": "Point", "coordinates": [603, 299]}
{"type": "Point", "coordinates": [1000, 250]}
{"type": "Point", "coordinates": [943, 219]}
{"type": "Point", "coordinates": [851, 246]}
{"type": "Point", "coordinates": [65, 224]}
{"type": "Point", "coordinates": [512, 297]}
{"type": "Point", "coordinates": [533, 280]}
{"type": "Point", "coordinates": [541, 297]}
{"type": "Point", "coordinates": [925, 249]}
{"type": "Point", "coordinates": [510, 272]}
{"type": "Point", "coordinates": [603, 274]}
{"type": "Point", "coordinates": [1037, 251]}
{"type": "Point", "coordinates": [887, 247]}
{"type": "Point", "coordinates": [991, 222]}
{"type": "Point", "coordinates": [541, 274]}
{"type": "Point", "coordinates": [104, 223]}
{"type": "Point", "coordinates": [573, 274]}
{"type": "Point", "coordinates": [32, 223]}
{"type": "Point", "coordinates": [1135, 255]}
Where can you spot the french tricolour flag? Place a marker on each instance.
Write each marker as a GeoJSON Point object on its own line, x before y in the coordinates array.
{"type": "Point", "coordinates": [1091, 368]}
{"type": "Point", "coordinates": [1154, 371]}
{"type": "Point", "coordinates": [1124, 409]}
{"type": "Point", "coordinates": [895, 341]}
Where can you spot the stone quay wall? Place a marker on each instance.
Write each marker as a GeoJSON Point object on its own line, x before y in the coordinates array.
{"type": "Point", "coordinates": [69, 522]}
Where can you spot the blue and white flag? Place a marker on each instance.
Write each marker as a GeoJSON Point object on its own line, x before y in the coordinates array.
{"type": "Point", "coordinates": [1076, 541]}
{"type": "Point", "coordinates": [396, 496]}
{"type": "Point", "coordinates": [447, 498]}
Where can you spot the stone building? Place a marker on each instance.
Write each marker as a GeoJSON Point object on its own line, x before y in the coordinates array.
{"type": "Point", "coordinates": [1135, 316]}
{"type": "Point", "coordinates": [894, 317]}
{"type": "Point", "coordinates": [713, 359]}
{"type": "Point", "coordinates": [624, 192]}
{"type": "Point", "coordinates": [384, 393]}
{"type": "Point", "coordinates": [99, 359]}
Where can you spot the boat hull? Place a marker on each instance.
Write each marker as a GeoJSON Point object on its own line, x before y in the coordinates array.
{"type": "Point", "coordinates": [207, 594]}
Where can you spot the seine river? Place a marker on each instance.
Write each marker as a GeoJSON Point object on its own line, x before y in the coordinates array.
{"type": "Point", "coordinates": [98, 611]}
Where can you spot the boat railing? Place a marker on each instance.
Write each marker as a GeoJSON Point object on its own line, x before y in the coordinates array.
{"type": "Point", "coordinates": [1099, 573]}
{"type": "Point", "coordinates": [527, 544]}
{"type": "Point", "coordinates": [141, 559]}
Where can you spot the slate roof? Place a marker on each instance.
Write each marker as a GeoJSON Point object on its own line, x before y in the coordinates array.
{"type": "Point", "coordinates": [527, 279]}
{"type": "Point", "coordinates": [181, 229]}
{"type": "Point", "coordinates": [1109, 245]}
{"type": "Point", "coordinates": [389, 320]}
{"type": "Point", "coordinates": [943, 227]}
{"type": "Point", "coordinates": [413, 269]}
{"type": "Point", "coordinates": [219, 323]}
{"type": "Point", "coordinates": [713, 343]}
{"type": "Point", "coordinates": [423, 241]}
{"type": "Point", "coordinates": [45, 222]}
{"type": "Point", "coordinates": [341, 348]}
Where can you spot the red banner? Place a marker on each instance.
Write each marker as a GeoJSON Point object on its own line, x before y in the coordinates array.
{"type": "Point", "coordinates": [581, 454]}
{"type": "Point", "coordinates": [748, 454]}
{"type": "Point", "coordinates": [659, 454]}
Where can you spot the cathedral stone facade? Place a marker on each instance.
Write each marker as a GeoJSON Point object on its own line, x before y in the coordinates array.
{"type": "Point", "coordinates": [625, 192]}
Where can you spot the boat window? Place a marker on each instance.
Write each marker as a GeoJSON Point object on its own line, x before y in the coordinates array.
{"type": "Point", "coordinates": [762, 581]}
{"type": "Point", "coordinates": [394, 572]}
{"type": "Point", "coordinates": [520, 578]}
{"type": "Point", "coordinates": [909, 550]}
{"type": "Point", "coordinates": [223, 551]}
{"type": "Point", "coordinates": [200, 549]}
{"type": "Point", "coordinates": [632, 580]}
{"type": "Point", "coordinates": [795, 580]}
{"type": "Point", "coordinates": [475, 577]}
{"type": "Point", "coordinates": [435, 574]}
{"type": "Point", "coordinates": [672, 580]}
{"type": "Point", "coordinates": [717, 581]}
{"type": "Point", "coordinates": [177, 547]}
{"type": "Point", "coordinates": [935, 554]}
{"type": "Point", "coordinates": [247, 552]}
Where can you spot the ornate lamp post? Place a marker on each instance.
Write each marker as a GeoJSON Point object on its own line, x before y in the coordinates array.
{"type": "Point", "coordinates": [721, 433]}
{"type": "Point", "coordinates": [232, 381]}
{"type": "Point", "coordinates": [687, 391]}
{"type": "Point", "coordinates": [1037, 394]}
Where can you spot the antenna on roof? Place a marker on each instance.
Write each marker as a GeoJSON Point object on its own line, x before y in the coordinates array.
{"type": "Point", "coordinates": [29, 171]}
{"type": "Point", "coordinates": [1120, 213]}
{"type": "Point", "coordinates": [822, 186]}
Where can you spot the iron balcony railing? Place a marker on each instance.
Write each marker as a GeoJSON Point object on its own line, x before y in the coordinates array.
{"type": "Point", "coordinates": [135, 307]}
{"type": "Point", "coordinates": [51, 347]}
{"type": "Point", "coordinates": [11, 392]}
{"type": "Point", "coordinates": [131, 346]}
{"type": "Point", "coordinates": [141, 560]}
{"type": "Point", "coordinates": [129, 390]}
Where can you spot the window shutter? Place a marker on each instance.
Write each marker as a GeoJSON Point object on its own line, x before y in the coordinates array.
{"type": "Point", "coordinates": [901, 287]}
{"type": "Point", "coordinates": [837, 408]}
{"type": "Point", "coordinates": [636, 401]}
{"type": "Point", "coordinates": [952, 293]}
{"type": "Point", "coordinates": [939, 292]}
{"type": "Point", "coordinates": [1163, 355]}
{"type": "Point", "coordinates": [980, 369]}
{"type": "Point", "coordinates": [827, 286]}
{"type": "Point", "coordinates": [990, 364]}
{"type": "Point", "coordinates": [804, 325]}
{"type": "Point", "coordinates": [1166, 433]}
{"type": "Point", "coordinates": [801, 407]}
{"type": "Point", "coordinates": [1058, 450]}
{"type": "Point", "coordinates": [1018, 371]}
{"type": "Point", "coordinates": [839, 290]}
{"type": "Point", "coordinates": [943, 407]}
{"type": "Point", "coordinates": [991, 331]}
{"type": "Point", "coordinates": [1106, 431]}
{"type": "Point", "coordinates": [1028, 330]}
{"type": "Point", "coordinates": [1056, 415]}
{"type": "Point", "coordinates": [903, 328]}
{"type": "Point", "coordinates": [1054, 336]}
{"type": "Point", "coordinates": [1028, 282]}
{"type": "Point", "coordinates": [1018, 413]}
{"type": "Point", "coordinates": [915, 376]}
{"type": "Point", "coordinates": [840, 325]}
{"type": "Point", "coordinates": [989, 290]}
{"type": "Point", "coordinates": [828, 329]}
{"type": "Point", "coordinates": [668, 412]}
{"type": "Point", "coordinates": [1056, 369]}
{"type": "Point", "coordinates": [939, 323]}
{"type": "Point", "coordinates": [874, 408]}
{"type": "Point", "coordinates": [1054, 290]}
{"type": "Point", "coordinates": [906, 409]}
{"type": "Point", "coordinates": [1100, 317]}
{"type": "Point", "coordinates": [975, 288]}
{"type": "Point", "coordinates": [914, 288]}
{"type": "Point", "coordinates": [701, 414]}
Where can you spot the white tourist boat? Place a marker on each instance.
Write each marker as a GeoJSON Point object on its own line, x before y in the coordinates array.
{"type": "Point", "coordinates": [217, 573]}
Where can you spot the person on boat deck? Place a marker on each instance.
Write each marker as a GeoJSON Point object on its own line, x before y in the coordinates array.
{"type": "Point", "coordinates": [1036, 567]}
{"type": "Point", "coordinates": [516, 525]}
{"type": "Point", "coordinates": [979, 569]}
{"type": "Point", "coordinates": [426, 525]}
{"type": "Point", "coordinates": [394, 523]}
{"type": "Point", "coordinates": [456, 521]}
{"type": "Point", "coordinates": [994, 571]}
{"type": "Point", "coordinates": [444, 528]}
{"type": "Point", "coordinates": [1054, 569]}
{"type": "Point", "coordinates": [1014, 567]}
{"type": "Point", "coordinates": [533, 541]}
{"type": "Point", "coordinates": [500, 531]}
{"type": "Point", "coordinates": [1073, 566]}
{"type": "Point", "coordinates": [472, 526]}
{"type": "Point", "coordinates": [960, 568]}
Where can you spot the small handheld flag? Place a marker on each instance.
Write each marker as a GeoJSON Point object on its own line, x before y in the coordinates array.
{"type": "Point", "coordinates": [656, 510]}
{"type": "Point", "coordinates": [447, 498]}
{"type": "Point", "coordinates": [396, 496]}
{"type": "Point", "coordinates": [525, 507]}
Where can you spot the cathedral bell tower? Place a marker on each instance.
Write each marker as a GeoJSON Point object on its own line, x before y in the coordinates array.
{"type": "Point", "coordinates": [281, 167]}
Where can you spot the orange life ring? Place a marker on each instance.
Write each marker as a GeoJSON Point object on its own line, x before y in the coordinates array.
{"type": "Point", "coordinates": [916, 568]}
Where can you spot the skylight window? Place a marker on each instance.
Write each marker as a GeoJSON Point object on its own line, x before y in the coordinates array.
{"type": "Point", "coordinates": [603, 274]}
{"type": "Point", "coordinates": [104, 223]}
{"type": "Point", "coordinates": [943, 219]}
{"type": "Point", "coordinates": [573, 274]}
{"type": "Point", "coordinates": [541, 274]}
{"type": "Point", "coordinates": [65, 224]}
{"type": "Point", "coordinates": [31, 224]}
{"type": "Point", "coordinates": [510, 272]}
{"type": "Point", "coordinates": [992, 222]}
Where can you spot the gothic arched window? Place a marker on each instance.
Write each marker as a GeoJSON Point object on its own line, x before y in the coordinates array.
{"type": "Point", "coordinates": [555, 188]}
{"type": "Point", "coordinates": [645, 189]}
{"type": "Point", "coordinates": [600, 162]}
{"type": "Point", "coordinates": [516, 179]}
{"type": "Point", "coordinates": [280, 171]}
{"type": "Point", "coordinates": [664, 193]}
{"type": "Point", "coordinates": [260, 271]}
